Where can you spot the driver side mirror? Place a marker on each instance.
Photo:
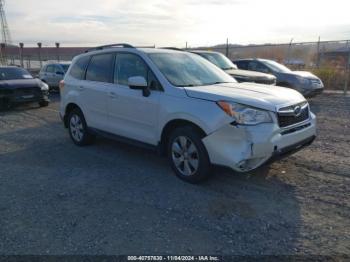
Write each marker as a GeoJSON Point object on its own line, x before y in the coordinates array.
{"type": "Point", "coordinates": [59, 73]}
{"type": "Point", "coordinates": [139, 83]}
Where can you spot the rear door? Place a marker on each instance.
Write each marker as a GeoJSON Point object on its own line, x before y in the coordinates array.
{"type": "Point", "coordinates": [98, 80]}
{"type": "Point", "coordinates": [130, 113]}
{"type": "Point", "coordinates": [58, 75]}
{"type": "Point", "coordinates": [49, 75]}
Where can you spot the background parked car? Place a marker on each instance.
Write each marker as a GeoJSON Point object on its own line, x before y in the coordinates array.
{"type": "Point", "coordinates": [305, 82]}
{"type": "Point", "coordinates": [53, 73]}
{"type": "Point", "coordinates": [17, 86]}
{"type": "Point", "coordinates": [225, 64]}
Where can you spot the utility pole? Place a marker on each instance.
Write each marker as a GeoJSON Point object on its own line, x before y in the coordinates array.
{"type": "Point", "coordinates": [58, 51]}
{"type": "Point", "coordinates": [5, 33]}
{"type": "Point", "coordinates": [289, 51]}
{"type": "Point", "coordinates": [227, 47]}
{"type": "Point", "coordinates": [39, 53]}
{"type": "Point", "coordinates": [347, 69]}
{"type": "Point", "coordinates": [21, 46]}
{"type": "Point", "coordinates": [318, 53]}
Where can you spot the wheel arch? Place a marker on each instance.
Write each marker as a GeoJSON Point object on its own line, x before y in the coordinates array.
{"type": "Point", "coordinates": [69, 108]}
{"type": "Point", "coordinates": [172, 125]}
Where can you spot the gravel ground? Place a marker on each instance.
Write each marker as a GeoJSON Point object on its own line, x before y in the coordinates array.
{"type": "Point", "coordinates": [112, 198]}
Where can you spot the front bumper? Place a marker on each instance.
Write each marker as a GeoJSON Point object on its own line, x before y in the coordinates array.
{"type": "Point", "coordinates": [313, 92]}
{"type": "Point", "coordinates": [16, 97]}
{"type": "Point", "coordinates": [244, 148]}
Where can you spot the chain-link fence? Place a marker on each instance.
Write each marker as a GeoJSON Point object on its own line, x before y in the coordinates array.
{"type": "Point", "coordinates": [327, 59]}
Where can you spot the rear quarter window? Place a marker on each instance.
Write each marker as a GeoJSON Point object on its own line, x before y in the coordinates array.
{"type": "Point", "coordinates": [79, 67]}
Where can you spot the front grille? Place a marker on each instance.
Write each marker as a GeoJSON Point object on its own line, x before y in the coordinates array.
{"type": "Point", "coordinates": [27, 91]}
{"type": "Point", "coordinates": [287, 116]}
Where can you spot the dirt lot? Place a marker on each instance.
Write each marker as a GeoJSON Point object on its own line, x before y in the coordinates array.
{"type": "Point", "coordinates": [111, 198]}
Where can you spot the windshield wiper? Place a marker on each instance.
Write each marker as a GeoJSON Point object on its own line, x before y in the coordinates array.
{"type": "Point", "coordinates": [219, 82]}
{"type": "Point", "coordinates": [189, 85]}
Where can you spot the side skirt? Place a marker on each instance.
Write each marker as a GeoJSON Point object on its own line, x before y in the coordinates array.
{"type": "Point", "coordinates": [126, 140]}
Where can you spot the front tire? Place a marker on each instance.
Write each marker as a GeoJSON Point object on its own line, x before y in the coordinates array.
{"type": "Point", "coordinates": [188, 156]}
{"type": "Point", "coordinates": [78, 129]}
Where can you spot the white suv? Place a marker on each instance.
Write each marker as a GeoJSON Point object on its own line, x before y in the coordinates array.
{"type": "Point", "coordinates": [184, 106]}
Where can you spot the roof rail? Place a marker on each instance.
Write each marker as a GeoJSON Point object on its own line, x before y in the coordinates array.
{"type": "Point", "coordinates": [173, 48]}
{"type": "Point", "coordinates": [109, 46]}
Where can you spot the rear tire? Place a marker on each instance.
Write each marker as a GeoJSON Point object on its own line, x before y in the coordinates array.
{"type": "Point", "coordinates": [78, 129]}
{"type": "Point", "coordinates": [187, 155]}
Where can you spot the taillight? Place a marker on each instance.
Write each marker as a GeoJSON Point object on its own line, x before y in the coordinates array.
{"type": "Point", "coordinates": [61, 85]}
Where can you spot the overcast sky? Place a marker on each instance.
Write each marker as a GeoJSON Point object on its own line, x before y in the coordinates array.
{"type": "Point", "coordinates": [172, 23]}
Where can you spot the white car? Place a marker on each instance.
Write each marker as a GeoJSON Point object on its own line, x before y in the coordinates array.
{"type": "Point", "coordinates": [184, 106]}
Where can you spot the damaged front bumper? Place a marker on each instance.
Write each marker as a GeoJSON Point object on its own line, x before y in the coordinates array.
{"type": "Point", "coordinates": [244, 148]}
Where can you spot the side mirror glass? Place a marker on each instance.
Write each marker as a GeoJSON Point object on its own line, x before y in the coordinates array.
{"type": "Point", "coordinates": [137, 82]}
{"type": "Point", "coordinates": [140, 83]}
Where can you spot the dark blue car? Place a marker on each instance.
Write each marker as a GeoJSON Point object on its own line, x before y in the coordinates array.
{"type": "Point", "coordinates": [305, 82]}
{"type": "Point", "coordinates": [18, 86]}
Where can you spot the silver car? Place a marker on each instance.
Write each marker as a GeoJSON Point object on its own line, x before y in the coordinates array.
{"type": "Point", "coordinates": [183, 106]}
{"type": "Point", "coordinates": [53, 73]}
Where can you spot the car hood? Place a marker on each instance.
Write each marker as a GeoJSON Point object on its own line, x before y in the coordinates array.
{"type": "Point", "coordinates": [304, 74]}
{"type": "Point", "coordinates": [250, 74]}
{"type": "Point", "coordinates": [20, 83]}
{"type": "Point", "coordinates": [256, 95]}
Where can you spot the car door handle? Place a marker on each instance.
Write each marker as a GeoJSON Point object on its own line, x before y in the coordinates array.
{"type": "Point", "coordinates": [81, 88]}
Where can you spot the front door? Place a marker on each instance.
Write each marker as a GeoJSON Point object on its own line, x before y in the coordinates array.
{"type": "Point", "coordinates": [130, 113]}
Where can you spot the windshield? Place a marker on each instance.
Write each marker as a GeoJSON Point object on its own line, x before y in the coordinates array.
{"type": "Point", "coordinates": [186, 69]}
{"type": "Point", "coordinates": [276, 66]}
{"type": "Point", "coordinates": [65, 67]}
{"type": "Point", "coordinates": [14, 73]}
{"type": "Point", "coordinates": [219, 60]}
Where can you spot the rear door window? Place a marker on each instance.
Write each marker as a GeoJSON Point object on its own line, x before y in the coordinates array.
{"type": "Point", "coordinates": [257, 66]}
{"type": "Point", "coordinates": [50, 69]}
{"type": "Point", "coordinates": [78, 69]}
{"type": "Point", "coordinates": [58, 69]}
{"type": "Point", "coordinates": [100, 68]}
{"type": "Point", "coordinates": [242, 64]}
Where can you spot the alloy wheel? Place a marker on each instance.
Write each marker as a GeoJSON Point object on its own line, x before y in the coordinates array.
{"type": "Point", "coordinates": [185, 155]}
{"type": "Point", "coordinates": [76, 128]}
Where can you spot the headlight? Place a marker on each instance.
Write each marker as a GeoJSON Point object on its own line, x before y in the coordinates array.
{"type": "Point", "coordinates": [44, 86]}
{"type": "Point", "coordinates": [245, 115]}
{"type": "Point", "coordinates": [303, 80]}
